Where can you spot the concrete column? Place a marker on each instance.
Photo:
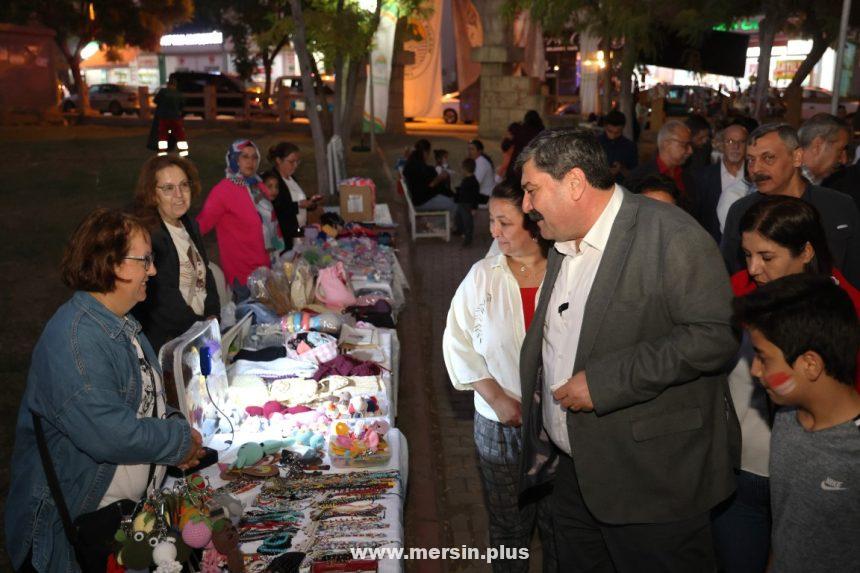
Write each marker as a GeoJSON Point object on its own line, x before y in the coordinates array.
{"type": "Point", "coordinates": [504, 98]}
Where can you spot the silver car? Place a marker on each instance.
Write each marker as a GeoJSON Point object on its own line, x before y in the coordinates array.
{"type": "Point", "coordinates": [114, 98]}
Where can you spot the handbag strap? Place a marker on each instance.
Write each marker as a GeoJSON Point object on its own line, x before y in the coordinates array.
{"type": "Point", "coordinates": [51, 473]}
{"type": "Point", "coordinates": [53, 482]}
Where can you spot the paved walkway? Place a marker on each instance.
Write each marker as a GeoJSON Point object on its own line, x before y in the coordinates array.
{"type": "Point", "coordinates": [444, 506]}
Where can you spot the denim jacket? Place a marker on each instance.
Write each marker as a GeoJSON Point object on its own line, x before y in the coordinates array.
{"type": "Point", "coordinates": [85, 383]}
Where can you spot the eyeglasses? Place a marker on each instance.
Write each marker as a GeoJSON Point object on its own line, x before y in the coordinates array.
{"type": "Point", "coordinates": [147, 260]}
{"type": "Point", "coordinates": [735, 142]}
{"type": "Point", "coordinates": [684, 144]}
{"type": "Point", "coordinates": [171, 189]}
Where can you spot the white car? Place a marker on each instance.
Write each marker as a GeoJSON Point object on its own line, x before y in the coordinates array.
{"type": "Point", "coordinates": [817, 100]}
{"type": "Point", "coordinates": [451, 107]}
{"type": "Point", "coordinates": [113, 98]}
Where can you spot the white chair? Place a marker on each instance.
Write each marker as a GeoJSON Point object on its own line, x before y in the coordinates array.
{"type": "Point", "coordinates": [416, 218]}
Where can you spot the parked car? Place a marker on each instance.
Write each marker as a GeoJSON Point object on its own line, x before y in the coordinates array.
{"type": "Point", "coordinates": [684, 100]}
{"type": "Point", "coordinates": [298, 105]}
{"type": "Point", "coordinates": [229, 91]}
{"type": "Point", "coordinates": [113, 98]}
{"type": "Point", "coordinates": [463, 105]}
{"type": "Point", "coordinates": [817, 100]}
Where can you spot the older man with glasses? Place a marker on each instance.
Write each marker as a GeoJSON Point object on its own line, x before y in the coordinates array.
{"type": "Point", "coordinates": [674, 146]}
{"type": "Point", "coordinates": [719, 185]}
{"type": "Point", "coordinates": [774, 160]}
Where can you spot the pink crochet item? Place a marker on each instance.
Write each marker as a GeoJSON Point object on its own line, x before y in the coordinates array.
{"type": "Point", "coordinates": [333, 288]}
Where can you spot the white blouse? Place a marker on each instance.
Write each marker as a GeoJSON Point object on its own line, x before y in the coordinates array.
{"type": "Point", "coordinates": [297, 194]}
{"type": "Point", "coordinates": [485, 331]}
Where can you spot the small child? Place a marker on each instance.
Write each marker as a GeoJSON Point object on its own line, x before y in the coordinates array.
{"type": "Point", "coordinates": [468, 196]}
{"type": "Point", "coordinates": [271, 230]}
{"type": "Point", "coordinates": [441, 157]}
{"type": "Point", "coordinates": [805, 333]}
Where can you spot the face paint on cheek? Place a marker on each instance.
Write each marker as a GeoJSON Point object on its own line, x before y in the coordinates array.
{"type": "Point", "coordinates": [781, 383]}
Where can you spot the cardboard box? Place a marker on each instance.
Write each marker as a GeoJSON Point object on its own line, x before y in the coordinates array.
{"type": "Point", "coordinates": [357, 203]}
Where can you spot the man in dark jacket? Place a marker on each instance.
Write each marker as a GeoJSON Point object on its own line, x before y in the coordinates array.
{"type": "Point", "coordinates": [720, 184]}
{"type": "Point", "coordinates": [774, 158]}
{"type": "Point", "coordinates": [169, 102]}
{"type": "Point", "coordinates": [673, 148]}
{"type": "Point", "coordinates": [621, 153]}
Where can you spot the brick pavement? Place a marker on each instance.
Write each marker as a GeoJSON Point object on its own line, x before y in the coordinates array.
{"type": "Point", "coordinates": [444, 506]}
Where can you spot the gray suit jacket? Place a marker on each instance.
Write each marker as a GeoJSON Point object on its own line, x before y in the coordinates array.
{"type": "Point", "coordinates": [656, 338]}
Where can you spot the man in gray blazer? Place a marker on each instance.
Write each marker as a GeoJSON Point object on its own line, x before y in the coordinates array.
{"type": "Point", "coordinates": [625, 404]}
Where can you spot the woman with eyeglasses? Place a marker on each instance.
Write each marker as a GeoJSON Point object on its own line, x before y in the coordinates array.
{"type": "Point", "coordinates": [183, 292]}
{"type": "Point", "coordinates": [291, 202]}
{"type": "Point", "coordinates": [95, 401]}
{"type": "Point", "coordinates": [240, 211]}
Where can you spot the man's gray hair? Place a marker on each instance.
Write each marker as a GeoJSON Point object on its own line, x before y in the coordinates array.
{"type": "Point", "coordinates": [557, 151]}
{"type": "Point", "coordinates": [786, 133]}
{"type": "Point", "coordinates": [669, 130]}
{"type": "Point", "coordinates": [821, 125]}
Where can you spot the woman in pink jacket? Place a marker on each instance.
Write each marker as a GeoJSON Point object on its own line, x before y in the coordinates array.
{"type": "Point", "coordinates": [240, 211]}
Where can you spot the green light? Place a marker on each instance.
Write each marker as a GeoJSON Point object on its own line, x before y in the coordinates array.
{"type": "Point", "coordinates": [743, 25]}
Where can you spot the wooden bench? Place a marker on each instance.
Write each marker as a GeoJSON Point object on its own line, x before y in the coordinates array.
{"type": "Point", "coordinates": [416, 218]}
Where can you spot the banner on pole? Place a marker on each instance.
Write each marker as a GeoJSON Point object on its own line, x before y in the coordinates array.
{"type": "Point", "coordinates": [422, 82]}
{"type": "Point", "coordinates": [380, 69]}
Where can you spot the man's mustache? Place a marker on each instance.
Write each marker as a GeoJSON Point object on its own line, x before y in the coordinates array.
{"type": "Point", "coordinates": [759, 177]}
{"type": "Point", "coordinates": [535, 215]}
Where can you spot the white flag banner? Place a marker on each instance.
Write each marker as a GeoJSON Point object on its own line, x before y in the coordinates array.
{"type": "Point", "coordinates": [422, 82]}
{"type": "Point", "coordinates": [380, 69]}
{"type": "Point", "coordinates": [469, 34]}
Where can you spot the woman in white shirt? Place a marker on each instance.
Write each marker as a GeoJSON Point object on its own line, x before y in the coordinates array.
{"type": "Point", "coordinates": [487, 322]}
{"type": "Point", "coordinates": [291, 203]}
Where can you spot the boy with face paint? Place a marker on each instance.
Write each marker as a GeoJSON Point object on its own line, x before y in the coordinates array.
{"type": "Point", "coordinates": [805, 333]}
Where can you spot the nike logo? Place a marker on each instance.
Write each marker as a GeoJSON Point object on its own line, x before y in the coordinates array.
{"type": "Point", "coordinates": [831, 484]}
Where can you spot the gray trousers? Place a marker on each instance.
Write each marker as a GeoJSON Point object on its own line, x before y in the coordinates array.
{"type": "Point", "coordinates": [510, 525]}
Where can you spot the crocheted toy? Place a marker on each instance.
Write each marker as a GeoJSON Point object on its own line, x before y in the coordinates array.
{"type": "Point", "coordinates": [164, 556]}
{"type": "Point", "coordinates": [135, 551]}
{"type": "Point", "coordinates": [249, 454]}
{"type": "Point", "coordinates": [225, 539]}
{"type": "Point", "coordinates": [197, 532]}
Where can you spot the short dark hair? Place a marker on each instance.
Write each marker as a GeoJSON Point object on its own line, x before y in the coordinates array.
{"type": "Point", "coordinates": [804, 312]}
{"type": "Point", "coordinates": [786, 133]}
{"type": "Point", "coordinates": [281, 150]}
{"type": "Point", "coordinates": [557, 151]}
{"type": "Point", "coordinates": [479, 145]}
{"type": "Point", "coordinates": [97, 246]}
{"type": "Point", "coordinates": [511, 190]}
{"type": "Point", "coordinates": [616, 118]}
{"type": "Point", "coordinates": [659, 182]}
{"type": "Point", "coordinates": [469, 165]}
{"type": "Point", "coordinates": [439, 154]}
{"type": "Point", "coordinates": [697, 123]}
{"type": "Point", "coordinates": [791, 223]}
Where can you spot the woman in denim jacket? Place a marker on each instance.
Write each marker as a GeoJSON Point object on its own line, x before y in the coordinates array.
{"type": "Point", "coordinates": [95, 384]}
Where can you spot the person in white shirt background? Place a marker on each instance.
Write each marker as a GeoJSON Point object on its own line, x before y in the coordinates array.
{"type": "Point", "coordinates": [483, 169]}
{"type": "Point", "coordinates": [487, 322]}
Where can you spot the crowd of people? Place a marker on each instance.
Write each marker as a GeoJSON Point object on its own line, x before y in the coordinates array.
{"type": "Point", "coordinates": [94, 429]}
{"type": "Point", "coordinates": [664, 354]}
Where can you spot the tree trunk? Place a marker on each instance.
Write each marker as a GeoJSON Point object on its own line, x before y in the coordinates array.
{"type": "Point", "coordinates": [766, 34]}
{"type": "Point", "coordinates": [267, 88]}
{"type": "Point", "coordinates": [306, 64]}
{"type": "Point", "coordinates": [626, 103]}
{"type": "Point", "coordinates": [793, 97]}
{"type": "Point", "coordinates": [395, 122]}
{"type": "Point", "coordinates": [354, 73]}
{"type": "Point", "coordinates": [606, 97]}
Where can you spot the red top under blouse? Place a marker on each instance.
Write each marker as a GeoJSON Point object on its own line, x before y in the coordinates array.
{"type": "Point", "coordinates": [528, 295]}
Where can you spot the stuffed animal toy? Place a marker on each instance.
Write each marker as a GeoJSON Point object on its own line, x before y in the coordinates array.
{"type": "Point", "coordinates": [249, 454]}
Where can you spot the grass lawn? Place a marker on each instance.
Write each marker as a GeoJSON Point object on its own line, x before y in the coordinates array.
{"type": "Point", "coordinates": [51, 178]}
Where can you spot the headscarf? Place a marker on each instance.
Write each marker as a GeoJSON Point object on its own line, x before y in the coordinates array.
{"type": "Point", "coordinates": [232, 158]}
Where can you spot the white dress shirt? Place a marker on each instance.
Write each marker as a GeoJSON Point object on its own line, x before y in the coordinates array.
{"type": "Point", "coordinates": [562, 328]}
{"type": "Point", "coordinates": [734, 187]}
{"type": "Point", "coordinates": [485, 176]}
{"type": "Point", "coordinates": [485, 331]}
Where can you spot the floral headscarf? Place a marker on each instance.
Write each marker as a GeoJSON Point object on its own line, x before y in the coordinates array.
{"type": "Point", "coordinates": [232, 158]}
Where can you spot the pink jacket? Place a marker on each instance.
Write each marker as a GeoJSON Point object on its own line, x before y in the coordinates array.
{"type": "Point", "coordinates": [230, 210]}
